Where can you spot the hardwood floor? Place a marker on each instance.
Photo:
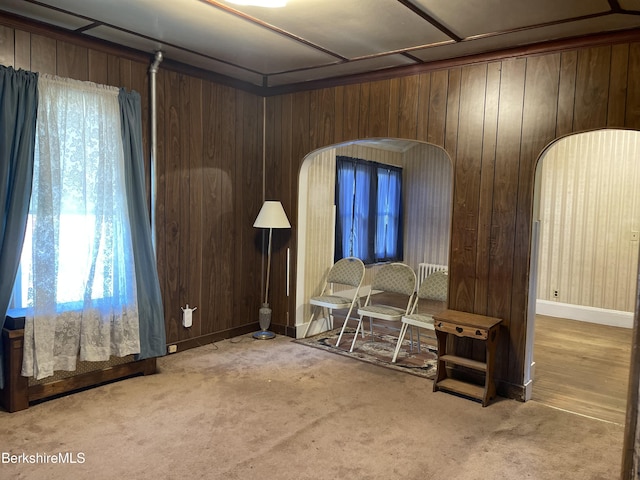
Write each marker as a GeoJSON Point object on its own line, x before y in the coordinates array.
{"type": "Point", "coordinates": [582, 367]}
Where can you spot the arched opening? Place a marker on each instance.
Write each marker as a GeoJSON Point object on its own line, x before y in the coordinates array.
{"type": "Point", "coordinates": [583, 270]}
{"type": "Point", "coordinates": [427, 202]}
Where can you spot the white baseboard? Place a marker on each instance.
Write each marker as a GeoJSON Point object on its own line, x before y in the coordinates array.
{"type": "Point", "coordinates": [614, 318]}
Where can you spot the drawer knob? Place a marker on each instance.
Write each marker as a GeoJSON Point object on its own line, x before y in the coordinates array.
{"type": "Point", "coordinates": [459, 329]}
{"type": "Point", "coordinates": [478, 332]}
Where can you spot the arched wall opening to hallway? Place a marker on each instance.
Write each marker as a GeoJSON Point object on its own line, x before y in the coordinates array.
{"type": "Point", "coordinates": [583, 268]}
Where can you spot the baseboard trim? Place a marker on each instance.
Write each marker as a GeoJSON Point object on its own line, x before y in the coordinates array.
{"type": "Point", "coordinates": [603, 316]}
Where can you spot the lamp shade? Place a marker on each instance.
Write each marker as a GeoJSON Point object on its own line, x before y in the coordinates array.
{"type": "Point", "coordinates": [272, 216]}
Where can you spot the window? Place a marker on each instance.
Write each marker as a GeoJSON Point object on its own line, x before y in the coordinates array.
{"type": "Point", "coordinates": [77, 247]}
{"type": "Point", "coordinates": [369, 210]}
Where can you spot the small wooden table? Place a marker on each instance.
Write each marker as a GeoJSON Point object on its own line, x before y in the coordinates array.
{"type": "Point", "coordinates": [470, 325]}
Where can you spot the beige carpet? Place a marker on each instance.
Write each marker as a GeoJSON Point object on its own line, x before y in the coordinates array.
{"type": "Point", "coordinates": [275, 409]}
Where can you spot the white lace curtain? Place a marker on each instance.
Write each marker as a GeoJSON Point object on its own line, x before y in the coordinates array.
{"type": "Point", "coordinates": [82, 288]}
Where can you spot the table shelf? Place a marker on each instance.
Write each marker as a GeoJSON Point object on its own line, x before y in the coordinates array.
{"type": "Point", "coordinates": [469, 325]}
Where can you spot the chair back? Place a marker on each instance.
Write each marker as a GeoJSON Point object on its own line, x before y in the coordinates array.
{"type": "Point", "coordinates": [347, 271]}
{"type": "Point", "coordinates": [435, 287]}
{"type": "Point", "coordinates": [395, 278]}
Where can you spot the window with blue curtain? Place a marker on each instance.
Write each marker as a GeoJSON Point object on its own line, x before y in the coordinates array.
{"type": "Point", "coordinates": [368, 210]}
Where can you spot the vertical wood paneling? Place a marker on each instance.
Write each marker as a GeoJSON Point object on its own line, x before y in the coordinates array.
{"type": "Point", "coordinates": [453, 113]}
{"type": "Point", "coordinates": [214, 281]}
{"type": "Point", "coordinates": [322, 114]}
{"type": "Point", "coordinates": [126, 72]}
{"type": "Point", "coordinates": [113, 71]}
{"type": "Point", "coordinates": [632, 111]}
{"type": "Point", "coordinates": [97, 66]}
{"type": "Point", "coordinates": [290, 203]}
{"type": "Point", "coordinates": [394, 107]}
{"type": "Point", "coordinates": [538, 129]}
{"type": "Point", "coordinates": [424, 93]}
{"type": "Point", "coordinates": [172, 196]}
{"type": "Point", "coordinates": [7, 46]}
{"type": "Point", "coordinates": [487, 173]}
{"type": "Point", "coordinates": [437, 106]}
{"type": "Point", "coordinates": [185, 218]}
{"type": "Point", "coordinates": [281, 190]}
{"type": "Point", "coordinates": [364, 115]}
{"type": "Point", "coordinates": [161, 194]}
{"type": "Point", "coordinates": [351, 111]}
{"type": "Point", "coordinates": [72, 61]}
{"type": "Point", "coordinates": [339, 118]}
{"type": "Point", "coordinates": [43, 54]}
{"type": "Point", "coordinates": [193, 255]}
{"type": "Point", "coordinates": [618, 85]}
{"type": "Point", "coordinates": [566, 93]}
{"type": "Point", "coordinates": [468, 93]}
{"type": "Point", "coordinates": [378, 112]}
{"type": "Point", "coordinates": [505, 190]}
{"type": "Point", "coordinates": [408, 114]}
{"type": "Point", "coordinates": [300, 126]}
{"type": "Point", "coordinates": [228, 124]}
{"type": "Point", "coordinates": [22, 50]}
{"type": "Point", "coordinates": [592, 87]}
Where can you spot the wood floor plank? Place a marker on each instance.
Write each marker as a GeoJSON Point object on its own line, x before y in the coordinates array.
{"type": "Point", "coordinates": [582, 367]}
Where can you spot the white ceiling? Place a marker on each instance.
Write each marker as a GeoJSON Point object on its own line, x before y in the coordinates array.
{"type": "Point", "coordinates": [320, 39]}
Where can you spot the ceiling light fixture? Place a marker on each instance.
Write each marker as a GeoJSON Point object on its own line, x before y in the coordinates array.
{"type": "Point", "coordinates": [260, 3]}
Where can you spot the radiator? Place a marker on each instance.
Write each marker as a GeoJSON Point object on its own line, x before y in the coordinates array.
{"type": "Point", "coordinates": [426, 269]}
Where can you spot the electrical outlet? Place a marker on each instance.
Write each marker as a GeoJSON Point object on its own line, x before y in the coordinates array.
{"type": "Point", "coordinates": [172, 348]}
{"type": "Point", "coordinates": [555, 293]}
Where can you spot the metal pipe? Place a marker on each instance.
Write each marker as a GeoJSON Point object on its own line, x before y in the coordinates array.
{"type": "Point", "coordinates": [153, 70]}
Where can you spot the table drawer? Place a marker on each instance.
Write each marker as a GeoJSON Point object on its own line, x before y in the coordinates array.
{"type": "Point", "coordinates": [461, 330]}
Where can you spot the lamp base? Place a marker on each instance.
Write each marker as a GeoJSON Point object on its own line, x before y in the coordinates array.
{"type": "Point", "coordinates": [264, 335]}
{"type": "Point", "coordinates": [265, 321]}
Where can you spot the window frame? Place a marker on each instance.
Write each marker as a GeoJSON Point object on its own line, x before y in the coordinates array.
{"type": "Point", "coordinates": [369, 255]}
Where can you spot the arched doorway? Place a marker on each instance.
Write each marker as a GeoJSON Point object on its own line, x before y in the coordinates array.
{"type": "Point", "coordinates": [584, 256]}
{"type": "Point", "coordinates": [428, 187]}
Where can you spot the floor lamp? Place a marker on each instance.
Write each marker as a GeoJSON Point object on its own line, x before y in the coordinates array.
{"type": "Point", "coordinates": [271, 216]}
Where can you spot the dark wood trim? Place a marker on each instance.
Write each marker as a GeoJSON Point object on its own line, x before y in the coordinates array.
{"type": "Point", "coordinates": [217, 336]}
{"type": "Point", "coordinates": [91, 379]}
{"type": "Point", "coordinates": [17, 394]}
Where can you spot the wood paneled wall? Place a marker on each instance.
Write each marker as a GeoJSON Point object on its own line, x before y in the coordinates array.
{"type": "Point", "coordinates": [493, 119]}
{"type": "Point", "coordinates": [209, 177]}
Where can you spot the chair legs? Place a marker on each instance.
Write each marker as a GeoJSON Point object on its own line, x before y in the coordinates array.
{"type": "Point", "coordinates": [355, 335]}
{"type": "Point", "coordinates": [344, 325]}
{"type": "Point", "coordinates": [403, 332]}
